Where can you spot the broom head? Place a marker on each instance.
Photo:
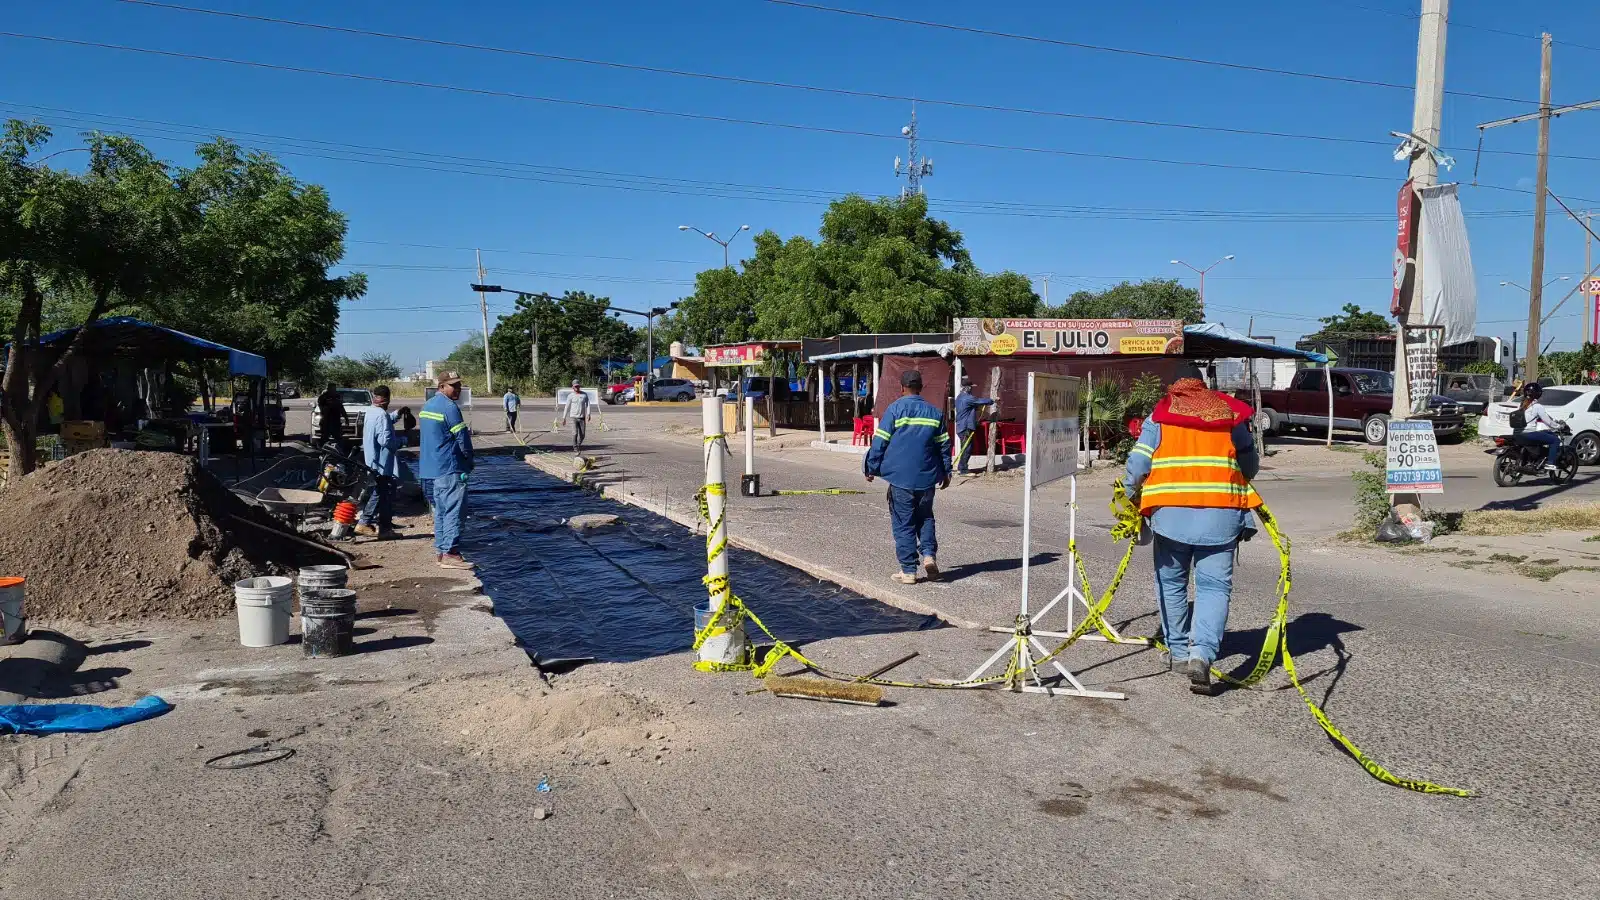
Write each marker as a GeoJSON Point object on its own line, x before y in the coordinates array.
{"type": "Point", "coordinates": [824, 689]}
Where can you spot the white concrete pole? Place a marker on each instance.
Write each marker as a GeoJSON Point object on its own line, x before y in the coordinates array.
{"type": "Point", "coordinates": [749, 436]}
{"type": "Point", "coordinates": [730, 647]}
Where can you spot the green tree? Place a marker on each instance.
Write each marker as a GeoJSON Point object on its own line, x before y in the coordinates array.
{"type": "Point", "coordinates": [1156, 298]}
{"type": "Point", "coordinates": [380, 367]}
{"type": "Point", "coordinates": [258, 259]}
{"type": "Point", "coordinates": [103, 241]}
{"type": "Point", "coordinates": [879, 266]}
{"type": "Point", "coordinates": [576, 331]}
{"type": "Point", "coordinates": [1352, 319]}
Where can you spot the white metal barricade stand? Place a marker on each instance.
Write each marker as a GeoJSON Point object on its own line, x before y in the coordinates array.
{"type": "Point", "coordinates": [1052, 453]}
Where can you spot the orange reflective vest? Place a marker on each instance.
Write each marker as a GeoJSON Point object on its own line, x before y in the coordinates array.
{"type": "Point", "coordinates": [1198, 468]}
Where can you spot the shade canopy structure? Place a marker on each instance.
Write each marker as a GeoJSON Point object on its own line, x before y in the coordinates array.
{"type": "Point", "coordinates": [1212, 340]}
{"type": "Point", "coordinates": [124, 337]}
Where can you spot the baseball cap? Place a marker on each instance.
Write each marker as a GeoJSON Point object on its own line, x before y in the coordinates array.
{"type": "Point", "coordinates": [447, 378]}
{"type": "Point", "coordinates": [577, 383]}
{"type": "Point", "coordinates": [911, 378]}
{"type": "Point", "coordinates": [966, 381]}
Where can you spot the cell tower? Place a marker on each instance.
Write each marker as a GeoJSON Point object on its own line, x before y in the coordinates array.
{"type": "Point", "coordinates": [916, 167]}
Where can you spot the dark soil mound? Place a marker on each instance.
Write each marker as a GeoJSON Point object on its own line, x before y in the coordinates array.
{"type": "Point", "coordinates": [114, 534]}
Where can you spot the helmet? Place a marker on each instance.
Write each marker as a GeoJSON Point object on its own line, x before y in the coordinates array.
{"type": "Point", "coordinates": [1532, 390]}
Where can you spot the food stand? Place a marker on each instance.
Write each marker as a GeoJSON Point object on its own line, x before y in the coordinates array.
{"type": "Point", "coordinates": [118, 388]}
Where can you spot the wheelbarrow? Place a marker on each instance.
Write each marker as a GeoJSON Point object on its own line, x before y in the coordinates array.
{"type": "Point", "coordinates": [289, 503]}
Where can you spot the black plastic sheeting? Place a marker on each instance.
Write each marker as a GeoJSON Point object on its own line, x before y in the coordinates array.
{"type": "Point", "coordinates": [627, 592]}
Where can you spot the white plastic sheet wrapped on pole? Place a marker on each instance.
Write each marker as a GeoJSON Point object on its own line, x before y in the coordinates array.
{"type": "Point", "coordinates": [729, 647]}
{"type": "Point", "coordinates": [1449, 286]}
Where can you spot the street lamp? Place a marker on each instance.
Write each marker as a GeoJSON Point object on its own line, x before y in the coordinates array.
{"type": "Point", "coordinates": [1525, 290]}
{"type": "Point", "coordinates": [712, 235]}
{"type": "Point", "coordinates": [1202, 274]}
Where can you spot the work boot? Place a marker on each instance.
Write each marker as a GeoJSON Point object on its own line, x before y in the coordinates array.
{"type": "Point", "coordinates": [1199, 672]}
{"type": "Point", "coordinates": [367, 530]}
{"type": "Point", "coordinates": [1176, 664]}
{"type": "Point", "coordinates": [931, 566]}
{"type": "Point", "coordinates": [906, 577]}
{"type": "Point", "coordinates": [453, 561]}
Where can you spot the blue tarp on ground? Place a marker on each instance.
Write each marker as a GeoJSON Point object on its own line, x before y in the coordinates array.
{"type": "Point", "coordinates": [53, 718]}
{"type": "Point", "coordinates": [125, 334]}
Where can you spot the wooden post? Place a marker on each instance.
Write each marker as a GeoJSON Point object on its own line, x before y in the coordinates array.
{"type": "Point", "coordinates": [994, 413]}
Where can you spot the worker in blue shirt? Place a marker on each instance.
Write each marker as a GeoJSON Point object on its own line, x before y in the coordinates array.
{"type": "Point", "coordinates": [967, 407]}
{"type": "Point", "coordinates": [378, 443]}
{"type": "Point", "coordinates": [911, 450]}
{"type": "Point", "coordinates": [446, 461]}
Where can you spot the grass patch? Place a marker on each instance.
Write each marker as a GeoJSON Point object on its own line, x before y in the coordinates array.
{"type": "Point", "coordinates": [1463, 551]}
{"type": "Point", "coordinates": [1508, 558]}
{"type": "Point", "coordinates": [1566, 517]}
{"type": "Point", "coordinates": [1542, 573]}
{"type": "Point", "coordinates": [1592, 539]}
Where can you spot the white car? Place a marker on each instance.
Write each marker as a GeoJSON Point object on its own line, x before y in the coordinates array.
{"type": "Point", "coordinates": [1578, 405]}
{"type": "Point", "coordinates": [357, 402]}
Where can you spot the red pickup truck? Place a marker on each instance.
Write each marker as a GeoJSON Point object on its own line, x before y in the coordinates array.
{"type": "Point", "coordinates": [1362, 399]}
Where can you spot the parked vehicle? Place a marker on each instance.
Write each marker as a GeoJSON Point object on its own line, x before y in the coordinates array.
{"type": "Point", "coordinates": [1474, 391]}
{"type": "Point", "coordinates": [1362, 399]}
{"type": "Point", "coordinates": [670, 389]}
{"type": "Point", "coordinates": [612, 394]}
{"type": "Point", "coordinates": [758, 387]}
{"type": "Point", "coordinates": [1515, 456]}
{"type": "Point", "coordinates": [1575, 405]}
{"type": "Point", "coordinates": [357, 401]}
{"type": "Point", "coordinates": [288, 390]}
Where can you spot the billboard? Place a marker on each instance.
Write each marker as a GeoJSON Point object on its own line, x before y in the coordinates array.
{"type": "Point", "coordinates": [1068, 337]}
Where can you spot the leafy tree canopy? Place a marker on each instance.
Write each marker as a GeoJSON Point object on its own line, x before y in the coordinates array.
{"type": "Point", "coordinates": [1352, 319]}
{"type": "Point", "coordinates": [1158, 298]}
{"type": "Point", "coordinates": [576, 331]}
{"type": "Point", "coordinates": [879, 266]}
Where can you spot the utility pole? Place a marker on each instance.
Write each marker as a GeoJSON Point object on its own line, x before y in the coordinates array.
{"type": "Point", "coordinates": [533, 336]}
{"type": "Point", "coordinates": [483, 306]}
{"type": "Point", "coordinates": [1427, 114]}
{"type": "Point", "coordinates": [1541, 186]}
{"type": "Point", "coordinates": [1588, 270]}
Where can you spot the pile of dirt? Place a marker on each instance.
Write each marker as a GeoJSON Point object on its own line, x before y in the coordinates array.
{"type": "Point", "coordinates": [116, 534]}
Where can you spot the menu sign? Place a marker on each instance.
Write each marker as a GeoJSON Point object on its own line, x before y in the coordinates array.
{"type": "Point", "coordinates": [735, 355]}
{"type": "Point", "coordinates": [1068, 337]}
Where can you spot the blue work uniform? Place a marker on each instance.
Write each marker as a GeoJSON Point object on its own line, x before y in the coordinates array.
{"type": "Point", "coordinates": [967, 407]}
{"type": "Point", "coordinates": [911, 450]}
{"type": "Point", "coordinates": [378, 443]}
{"type": "Point", "coordinates": [446, 460]}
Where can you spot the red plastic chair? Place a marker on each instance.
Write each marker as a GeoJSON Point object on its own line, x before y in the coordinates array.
{"type": "Point", "coordinates": [862, 435]}
{"type": "Point", "coordinates": [1013, 434]}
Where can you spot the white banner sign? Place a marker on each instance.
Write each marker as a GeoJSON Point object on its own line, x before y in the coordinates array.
{"type": "Point", "coordinates": [1414, 466]}
{"type": "Point", "coordinates": [1052, 450]}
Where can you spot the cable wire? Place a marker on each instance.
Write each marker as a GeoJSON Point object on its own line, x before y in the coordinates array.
{"type": "Point", "coordinates": [1125, 51]}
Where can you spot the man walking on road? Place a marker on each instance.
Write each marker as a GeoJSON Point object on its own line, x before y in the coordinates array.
{"type": "Point", "coordinates": [446, 461]}
{"type": "Point", "coordinates": [577, 409]}
{"type": "Point", "coordinates": [378, 443]}
{"type": "Point", "coordinates": [513, 405]}
{"type": "Point", "coordinates": [911, 450]}
{"type": "Point", "coordinates": [1190, 473]}
{"type": "Point", "coordinates": [967, 407]}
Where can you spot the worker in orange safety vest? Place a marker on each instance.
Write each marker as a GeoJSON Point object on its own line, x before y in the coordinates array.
{"type": "Point", "coordinates": [1190, 475]}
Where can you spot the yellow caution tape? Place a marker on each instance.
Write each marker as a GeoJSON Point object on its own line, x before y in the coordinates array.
{"type": "Point", "coordinates": [831, 491]}
{"type": "Point", "coordinates": [732, 611]}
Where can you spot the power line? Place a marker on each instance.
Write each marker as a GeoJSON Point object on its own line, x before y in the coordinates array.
{"type": "Point", "coordinates": [613, 107]}
{"type": "Point", "coordinates": [1125, 51]}
{"type": "Point", "coordinates": [1454, 23]}
{"type": "Point", "coordinates": [785, 85]}
{"type": "Point", "coordinates": [729, 190]}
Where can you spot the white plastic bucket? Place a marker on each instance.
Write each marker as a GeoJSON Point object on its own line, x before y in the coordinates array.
{"type": "Point", "coordinates": [264, 604]}
{"type": "Point", "coordinates": [727, 648]}
{"type": "Point", "coordinates": [13, 624]}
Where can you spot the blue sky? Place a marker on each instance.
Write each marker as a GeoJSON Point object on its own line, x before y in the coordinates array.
{"type": "Point", "coordinates": [569, 196]}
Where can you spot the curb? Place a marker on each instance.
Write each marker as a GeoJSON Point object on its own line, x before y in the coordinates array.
{"type": "Point", "coordinates": [849, 582]}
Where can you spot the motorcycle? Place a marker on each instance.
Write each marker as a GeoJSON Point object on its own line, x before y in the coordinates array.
{"type": "Point", "coordinates": [1515, 456]}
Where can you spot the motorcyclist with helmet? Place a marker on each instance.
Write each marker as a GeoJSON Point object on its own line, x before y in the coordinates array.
{"type": "Point", "coordinates": [1539, 427]}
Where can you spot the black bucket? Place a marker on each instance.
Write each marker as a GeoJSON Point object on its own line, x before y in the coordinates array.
{"type": "Point", "coordinates": [327, 622]}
